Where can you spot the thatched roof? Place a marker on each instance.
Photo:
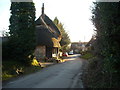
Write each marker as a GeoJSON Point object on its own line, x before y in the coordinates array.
{"type": "Point", "coordinates": [45, 37]}
{"type": "Point", "coordinates": [47, 32]}
{"type": "Point", "coordinates": [45, 19]}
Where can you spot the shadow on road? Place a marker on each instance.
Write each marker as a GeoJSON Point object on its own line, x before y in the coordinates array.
{"type": "Point", "coordinates": [72, 57]}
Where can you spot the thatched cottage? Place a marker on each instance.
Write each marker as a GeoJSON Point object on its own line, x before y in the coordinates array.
{"type": "Point", "coordinates": [48, 37]}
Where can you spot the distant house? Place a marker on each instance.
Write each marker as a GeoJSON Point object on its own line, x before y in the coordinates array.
{"type": "Point", "coordinates": [78, 46]}
{"type": "Point", "coordinates": [48, 37]}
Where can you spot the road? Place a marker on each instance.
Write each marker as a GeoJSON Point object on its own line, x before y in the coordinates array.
{"type": "Point", "coordinates": [62, 75]}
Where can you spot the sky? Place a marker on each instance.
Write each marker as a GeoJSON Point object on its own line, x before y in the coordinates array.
{"type": "Point", "coordinates": [74, 14]}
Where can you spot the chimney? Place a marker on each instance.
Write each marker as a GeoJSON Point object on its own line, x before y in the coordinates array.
{"type": "Point", "coordinates": [42, 8]}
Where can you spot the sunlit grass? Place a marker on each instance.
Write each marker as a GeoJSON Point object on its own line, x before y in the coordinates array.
{"type": "Point", "coordinates": [6, 76]}
{"type": "Point", "coordinates": [9, 68]}
{"type": "Point", "coordinates": [87, 56]}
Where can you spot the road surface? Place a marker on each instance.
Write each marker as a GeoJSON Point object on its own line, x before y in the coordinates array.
{"type": "Point", "coordinates": [62, 75]}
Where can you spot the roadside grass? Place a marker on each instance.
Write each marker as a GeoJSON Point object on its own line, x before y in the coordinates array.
{"type": "Point", "coordinates": [87, 55]}
{"type": "Point", "coordinates": [9, 69]}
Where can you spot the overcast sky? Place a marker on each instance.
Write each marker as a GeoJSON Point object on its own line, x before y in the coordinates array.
{"type": "Point", "coordinates": [74, 14]}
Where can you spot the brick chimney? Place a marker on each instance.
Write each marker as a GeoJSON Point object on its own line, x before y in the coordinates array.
{"type": "Point", "coordinates": [42, 8]}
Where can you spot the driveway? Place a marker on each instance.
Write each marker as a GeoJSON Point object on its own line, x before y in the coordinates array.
{"type": "Point", "coordinates": [62, 75]}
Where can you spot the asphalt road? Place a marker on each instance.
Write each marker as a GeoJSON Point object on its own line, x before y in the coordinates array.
{"type": "Point", "coordinates": [62, 75]}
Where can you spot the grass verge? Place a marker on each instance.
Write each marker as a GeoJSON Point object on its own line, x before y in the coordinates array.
{"type": "Point", "coordinates": [87, 55]}
{"type": "Point", "coordinates": [9, 69]}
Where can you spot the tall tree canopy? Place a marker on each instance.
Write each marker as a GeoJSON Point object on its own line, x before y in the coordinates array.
{"type": "Point", "coordinates": [65, 38]}
{"type": "Point", "coordinates": [22, 31]}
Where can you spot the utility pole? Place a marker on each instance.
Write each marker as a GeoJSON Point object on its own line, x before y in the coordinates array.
{"type": "Point", "coordinates": [84, 39]}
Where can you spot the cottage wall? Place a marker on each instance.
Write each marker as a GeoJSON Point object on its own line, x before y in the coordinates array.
{"type": "Point", "coordinates": [40, 52]}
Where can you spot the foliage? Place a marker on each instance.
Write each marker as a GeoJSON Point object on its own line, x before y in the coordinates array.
{"type": "Point", "coordinates": [65, 38]}
{"type": "Point", "coordinates": [9, 68]}
{"type": "Point", "coordinates": [6, 76]}
{"type": "Point", "coordinates": [22, 32]}
{"type": "Point", "coordinates": [5, 33]}
{"type": "Point", "coordinates": [35, 62]}
{"type": "Point", "coordinates": [106, 19]}
{"type": "Point", "coordinates": [87, 55]}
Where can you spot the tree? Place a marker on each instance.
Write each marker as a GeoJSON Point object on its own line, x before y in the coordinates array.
{"type": "Point", "coordinates": [22, 31]}
{"type": "Point", "coordinates": [106, 18]}
{"type": "Point", "coordinates": [65, 41]}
